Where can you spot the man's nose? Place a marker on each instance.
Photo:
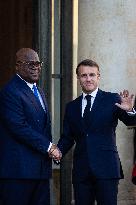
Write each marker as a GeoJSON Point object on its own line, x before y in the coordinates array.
{"type": "Point", "coordinates": [34, 67]}
{"type": "Point", "coordinates": [88, 77]}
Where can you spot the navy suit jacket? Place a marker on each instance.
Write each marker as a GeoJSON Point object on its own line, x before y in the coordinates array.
{"type": "Point", "coordinates": [25, 133]}
{"type": "Point", "coordinates": [95, 148]}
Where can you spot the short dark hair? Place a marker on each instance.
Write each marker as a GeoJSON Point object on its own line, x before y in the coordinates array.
{"type": "Point", "coordinates": [87, 62]}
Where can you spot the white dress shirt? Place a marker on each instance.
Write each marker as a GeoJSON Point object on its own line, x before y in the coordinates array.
{"type": "Point", "coordinates": [84, 101]}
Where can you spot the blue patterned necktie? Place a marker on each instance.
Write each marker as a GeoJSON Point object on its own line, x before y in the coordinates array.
{"type": "Point", "coordinates": [35, 91]}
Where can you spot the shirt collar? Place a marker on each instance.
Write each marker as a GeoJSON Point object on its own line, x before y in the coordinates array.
{"type": "Point", "coordinates": [29, 84]}
{"type": "Point", "coordinates": [93, 94]}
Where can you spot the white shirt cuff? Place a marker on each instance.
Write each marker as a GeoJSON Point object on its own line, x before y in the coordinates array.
{"type": "Point", "coordinates": [49, 147]}
{"type": "Point", "coordinates": [133, 112]}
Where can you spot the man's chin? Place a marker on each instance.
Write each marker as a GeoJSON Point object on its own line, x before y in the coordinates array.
{"type": "Point", "coordinates": [34, 80]}
{"type": "Point", "coordinates": [88, 91]}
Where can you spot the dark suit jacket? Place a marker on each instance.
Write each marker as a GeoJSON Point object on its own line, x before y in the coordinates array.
{"type": "Point", "coordinates": [95, 148]}
{"type": "Point", "coordinates": [25, 133]}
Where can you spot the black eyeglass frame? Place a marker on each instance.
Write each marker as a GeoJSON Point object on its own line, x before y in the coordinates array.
{"type": "Point", "coordinates": [30, 64]}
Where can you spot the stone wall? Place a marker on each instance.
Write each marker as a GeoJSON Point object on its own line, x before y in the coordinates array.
{"type": "Point", "coordinates": [107, 35]}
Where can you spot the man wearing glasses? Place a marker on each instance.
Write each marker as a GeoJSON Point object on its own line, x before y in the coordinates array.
{"type": "Point", "coordinates": [25, 136]}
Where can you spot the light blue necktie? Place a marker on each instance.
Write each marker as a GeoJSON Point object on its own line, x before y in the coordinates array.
{"type": "Point", "coordinates": [35, 91]}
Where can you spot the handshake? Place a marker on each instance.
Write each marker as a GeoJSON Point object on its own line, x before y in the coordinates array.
{"type": "Point", "coordinates": [55, 153]}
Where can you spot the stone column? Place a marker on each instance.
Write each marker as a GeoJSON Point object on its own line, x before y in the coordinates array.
{"type": "Point", "coordinates": [107, 35]}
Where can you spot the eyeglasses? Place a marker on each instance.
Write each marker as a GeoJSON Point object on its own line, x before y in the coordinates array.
{"type": "Point", "coordinates": [31, 64]}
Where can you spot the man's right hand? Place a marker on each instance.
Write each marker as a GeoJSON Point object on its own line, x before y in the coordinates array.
{"type": "Point", "coordinates": [55, 153]}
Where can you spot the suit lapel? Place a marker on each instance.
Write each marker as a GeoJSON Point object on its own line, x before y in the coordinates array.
{"type": "Point", "coordinates": [45, 103]}
{"type": "Point", "coordinates": [95, 111]}
{"type": "Point", "coordinates": [36, 103]}
{"type": "Point", "coordinates": [28, 92]}
{"type": "Point", "coordinates": [96, 106]}
{"type": "Point", "coordinates": [78, 114]}
{"type": "Point", "coordinates": [43, 98]}
{"type": "Point", "coordinates": [98, 101]}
